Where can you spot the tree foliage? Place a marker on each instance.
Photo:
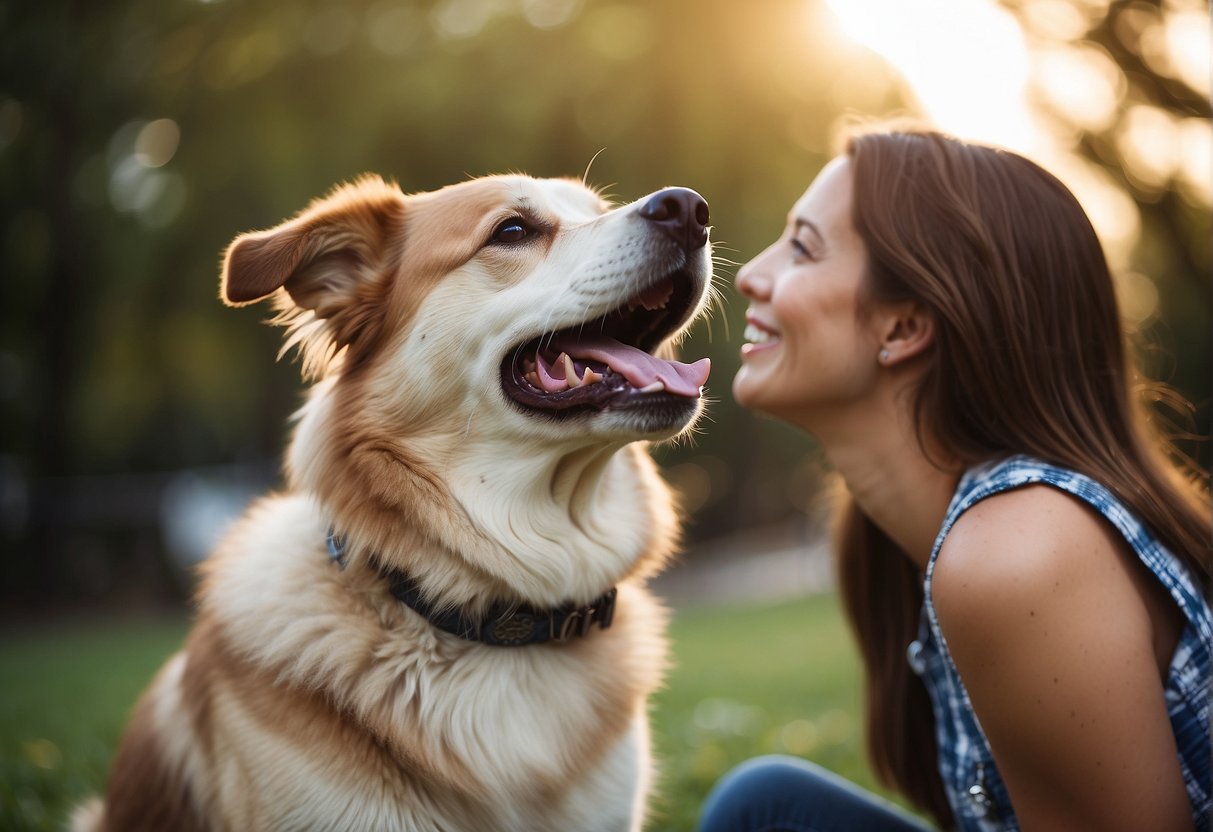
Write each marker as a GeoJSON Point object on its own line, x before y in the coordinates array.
{"type": "Point", "coordinates": [137, 138]}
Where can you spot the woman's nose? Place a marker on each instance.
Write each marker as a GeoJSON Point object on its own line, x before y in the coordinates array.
{"type": "Point", "coordinates": [753, 281]}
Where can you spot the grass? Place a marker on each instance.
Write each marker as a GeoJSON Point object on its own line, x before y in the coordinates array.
{"type": "Point", "coordinates": [747, 680]}
{"type": "Point", "coordinates": [755, 680]}
{"type": "Point", "coordinates": [65, 693]}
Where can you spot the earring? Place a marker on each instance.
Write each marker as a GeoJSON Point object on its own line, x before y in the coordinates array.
{"type": "Point", "coordinates": [884, 355]}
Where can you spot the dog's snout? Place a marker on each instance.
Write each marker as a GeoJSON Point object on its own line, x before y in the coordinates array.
{"type": "Point", "coordinates": [681, 213]}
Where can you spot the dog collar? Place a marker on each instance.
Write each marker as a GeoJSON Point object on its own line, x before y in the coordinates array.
{"type": "Point", "coordinates": [503, 625]}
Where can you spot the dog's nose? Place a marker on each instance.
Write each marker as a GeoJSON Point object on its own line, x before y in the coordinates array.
{"type": "Point", "coordinates": [681, 213]}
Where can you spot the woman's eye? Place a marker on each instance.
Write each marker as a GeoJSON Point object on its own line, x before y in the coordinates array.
{"type": "Point", "coordinates": [513, 230]}
{"type": "Point", "coordinates": [802, 249]}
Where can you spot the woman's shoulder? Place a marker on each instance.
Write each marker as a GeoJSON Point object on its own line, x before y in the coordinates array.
{"type": "Point", "coordinates": [1015, 548]}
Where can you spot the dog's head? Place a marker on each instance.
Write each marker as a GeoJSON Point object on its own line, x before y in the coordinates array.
{"type": "Point", "coordinates": [486, 350]}
{"type": "Point", "coordinates": [529, 299]}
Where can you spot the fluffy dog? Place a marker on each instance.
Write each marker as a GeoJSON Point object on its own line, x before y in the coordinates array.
{"type": "Point", "coordinates": [442, 624]}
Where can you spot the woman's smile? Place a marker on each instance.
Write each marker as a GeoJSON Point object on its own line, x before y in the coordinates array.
{"type": "Point", "coordinates": [758, 336]}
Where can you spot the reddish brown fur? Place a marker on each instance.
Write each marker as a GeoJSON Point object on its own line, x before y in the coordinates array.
{"type": "Point", "coordinates": [305, 718]}
{"type": "Point", "coordinates": [145, 792]}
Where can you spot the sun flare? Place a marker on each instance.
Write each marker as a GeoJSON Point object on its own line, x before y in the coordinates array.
{"type": "Point", "coordinates": [974, 70]}
{"type": "Point", "coordinates": [965, 61]}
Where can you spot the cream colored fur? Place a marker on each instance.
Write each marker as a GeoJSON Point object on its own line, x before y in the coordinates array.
{"type": "Point", "coordinates": [307, 697]}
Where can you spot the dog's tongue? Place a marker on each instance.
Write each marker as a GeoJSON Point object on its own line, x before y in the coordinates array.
{"type": "Point", "coordinates": [638, 367]}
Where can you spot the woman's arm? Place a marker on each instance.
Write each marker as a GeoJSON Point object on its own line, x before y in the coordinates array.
{"type": "Point", "coordinates": [1047, 614]}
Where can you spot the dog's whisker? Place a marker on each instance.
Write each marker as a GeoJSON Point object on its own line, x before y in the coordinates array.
{"type": "Point", "coordinates": [517, 353]}
{"type": "Point", "coordinates": [716, 304]}
{"type": "Point", "coordinates": [585, 177]}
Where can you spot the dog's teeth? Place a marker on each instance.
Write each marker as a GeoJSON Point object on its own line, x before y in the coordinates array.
{"type": "Point", "coordinates": [533, 378]}
{"type": "Point", "coordinates": [590, 377]}
{"type": "Point", "coordinates": [655, 387]}
{"type": "Point", "coordinates": [652, 302]}
{"type": "Point", "coordinates": [570, 371]}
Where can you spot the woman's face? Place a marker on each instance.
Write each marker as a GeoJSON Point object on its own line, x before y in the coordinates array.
{"type": "Point", "coordinates": [807, 347]}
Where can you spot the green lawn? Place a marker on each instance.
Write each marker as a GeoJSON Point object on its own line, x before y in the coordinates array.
{"type": "Point", "coordinates": [747, 680]}
{"type": "Point", "coordinates": [755, 680]}
{"type": "Point", "coordinates": [65, 692]}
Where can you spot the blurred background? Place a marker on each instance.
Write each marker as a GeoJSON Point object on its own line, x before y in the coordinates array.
{"type": "Point", "coordinates": [138, 415]}
{"type": "Point", "coordinates": [138, 137]}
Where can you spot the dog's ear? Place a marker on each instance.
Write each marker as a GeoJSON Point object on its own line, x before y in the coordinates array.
{"type": "Point", "coordinates": [333, 260]}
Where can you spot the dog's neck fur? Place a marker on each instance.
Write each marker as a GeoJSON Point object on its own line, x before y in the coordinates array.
{"type": "Point", "coordinates": [536, 520]}
{"type": "Point", "coordinates": [572, 501]}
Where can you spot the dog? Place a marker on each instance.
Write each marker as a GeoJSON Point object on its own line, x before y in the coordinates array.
{"type": "Point", "coordinates": [442, 623]}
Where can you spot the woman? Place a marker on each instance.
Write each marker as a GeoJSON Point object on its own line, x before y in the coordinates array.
{"type": "Point", "coordinates": [1025, 570]}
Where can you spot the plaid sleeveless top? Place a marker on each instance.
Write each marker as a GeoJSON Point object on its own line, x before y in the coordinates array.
{"type": "Point", "coordinates": [974, 788]}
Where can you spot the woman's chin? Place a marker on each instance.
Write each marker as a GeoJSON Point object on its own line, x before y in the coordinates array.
{"type": "Point", "coordinates": [746, 391]}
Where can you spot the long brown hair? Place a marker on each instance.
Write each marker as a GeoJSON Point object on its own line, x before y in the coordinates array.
{"type": "Point", "coordinates": [1029, 357]}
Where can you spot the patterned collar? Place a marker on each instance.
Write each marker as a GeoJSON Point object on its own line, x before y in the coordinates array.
{"type": "Point", "coordinates": [502, 625]}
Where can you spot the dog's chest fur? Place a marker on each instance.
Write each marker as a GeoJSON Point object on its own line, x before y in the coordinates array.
{"type": "Point", "coordinates": [341, 706]}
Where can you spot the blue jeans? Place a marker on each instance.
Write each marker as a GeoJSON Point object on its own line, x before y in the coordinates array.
{"type": "Point", "coordinates": [787, 794]}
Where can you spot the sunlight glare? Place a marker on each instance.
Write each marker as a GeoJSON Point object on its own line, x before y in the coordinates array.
{"type": "Point", "coordinates": [966, 62]}
{"type": "Point", "coordinates": [1187, 37]}
{"type": "Point", "coordinates": [1055, 19]}
{"type": "Point", "coordinates": [1082, 83]}
{"type": "Point", "coordinates": [1148, 142]}
{"type": "Point", "coordinates": [1196, 160]}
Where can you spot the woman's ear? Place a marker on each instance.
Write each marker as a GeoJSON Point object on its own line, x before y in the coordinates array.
{"type": "Point", "coordinates": [907, 330]}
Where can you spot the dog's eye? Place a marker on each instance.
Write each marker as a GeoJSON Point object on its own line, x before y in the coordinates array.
{"type": "Point", "coordinates": [513, 230]}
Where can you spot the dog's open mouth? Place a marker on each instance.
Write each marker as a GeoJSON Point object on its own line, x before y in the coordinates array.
{"type": "Point", "coordinates": [608, 361]}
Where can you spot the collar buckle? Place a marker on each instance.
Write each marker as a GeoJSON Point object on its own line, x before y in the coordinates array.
{"type": "Point", "coordinates": [577, 622]}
